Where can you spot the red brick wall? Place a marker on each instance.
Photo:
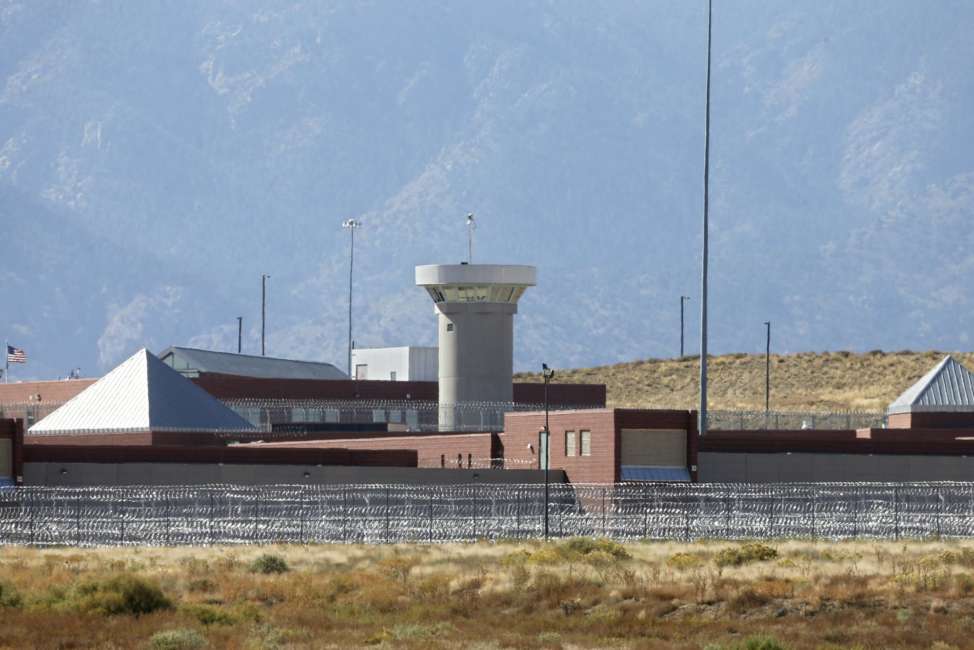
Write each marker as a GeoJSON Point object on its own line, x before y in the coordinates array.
{"type": "Point", "coordinates": [475, 447]}
{"type": "Point", "coordinates": [241, 455]}
{"type": "Point", "coordinates": [931, 421]}
{"type": "Point", "coordinates": [55, 392]}
{"type": "Point", "coordinates": [521, 429]}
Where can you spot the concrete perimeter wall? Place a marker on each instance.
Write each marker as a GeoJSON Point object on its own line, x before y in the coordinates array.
{"type": "Point", "coordinates": [724, 467]}
{"type": "Point", "coordinates": [107, 474]}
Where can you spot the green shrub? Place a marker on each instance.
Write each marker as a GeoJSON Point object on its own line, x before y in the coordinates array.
{"type": "Point", "coordinates": [181, 639]}
{"type": "Point", "coordinates": [760, 643]}
{"type": "Point", "coordinates": [684, 561]}
{"type": "Point", "coordinates": [268, 563]}
{"type": "Point", "coordinates": [9, 596]}
{"type": "Point", "coordinates": [582, 546]}
{"type": "Point", "coordinates": [122, 594]}
{"type": "Point", "coordinates": [745, 554]}
{"type": "Point", "coordinates": [210, 615]}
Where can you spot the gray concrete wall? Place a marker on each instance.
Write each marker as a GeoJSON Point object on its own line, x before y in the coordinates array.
{"type": "Point", "coordinates": [90, 474]}
{"type": "Point", "coordinates": [803, 468]}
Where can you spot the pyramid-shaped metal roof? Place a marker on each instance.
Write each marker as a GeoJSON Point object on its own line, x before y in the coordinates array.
{"type": "Point", "coordinates": [948, 387]}
{"type": "Point", "coordinates": [142, 394]}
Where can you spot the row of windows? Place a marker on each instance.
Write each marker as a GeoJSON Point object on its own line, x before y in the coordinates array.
{"type": "Point", "coordinates": [586, 439]}
{"type": "Point", "coordinates": [459, 460]}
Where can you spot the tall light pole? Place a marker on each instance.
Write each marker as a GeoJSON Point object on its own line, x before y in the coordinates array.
{"type": "Point", "coordinates": [547, 373]}
{"type": "Point", "coordinates": [351, 225]}
{"type": "Point", "coordinates": [471, 226]}
{"type": "Point", "coordinates": [263, 312]}
{"type": "Point", "coordinates": [767, 371]}
{"type": "Point", "coordinates": [239, 334]}
{"type": "Point", "coordinates": [706, 242]}
{"type": "Point", "coordinates": [683, 300]}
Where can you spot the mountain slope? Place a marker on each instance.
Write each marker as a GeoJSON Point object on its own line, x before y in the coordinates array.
{"type": "Point", "coordinates": [208, 144]}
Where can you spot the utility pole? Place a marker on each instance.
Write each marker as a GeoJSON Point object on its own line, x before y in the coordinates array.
{"type": "Point", "coordinates": [471, 226]}
{"type": "Point", "coordinates": [706, 243]}
{"type": "Point", "coordinates": [683, 300]}
{"type": "Point", "coordinates": [351, 225]}
{"type": "Point", "coordinates": [767, 370]}
{"type": "Point", "coordinates": [263, 312]}
{"type": "Point", "coordinates": [547, 374]}
{"type": "Point", "coordinates": [239, 334]}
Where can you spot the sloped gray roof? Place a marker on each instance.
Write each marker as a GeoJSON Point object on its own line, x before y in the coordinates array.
{"type": "Point", "coordinates": [948, 387]}
{"type": "Point", "coordinates": [195, 360]}
{"type": "Point", "coordinates": [142, 394]}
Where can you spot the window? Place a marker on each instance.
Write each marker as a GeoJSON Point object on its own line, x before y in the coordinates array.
{"type": "Point", "coordinates": [442, 460]}
{"type": "Point", "coordinates": [460, 460]}
{"type": "Point", "coordinates": [449, 327]}
{"type": "Point", "coordinates": [392, 375]}
{"type": "Point", "coordinates": [569, 443]}
{"type": "Point", "coordinates": [469, 461]}
{"type": "Point", "coordinates": [586, 443]}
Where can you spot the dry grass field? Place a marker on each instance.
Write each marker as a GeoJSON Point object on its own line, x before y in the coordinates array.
{"type": "Point", "coordinates": [570, 594]}
{"type": "Point", "coordinates": [828, 381]}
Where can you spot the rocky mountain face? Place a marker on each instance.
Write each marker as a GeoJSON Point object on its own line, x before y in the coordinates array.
{"type": "Point", "coordinates": [156, 158]}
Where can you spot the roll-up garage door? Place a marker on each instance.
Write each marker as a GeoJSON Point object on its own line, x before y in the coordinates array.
{"type": "Point", "coordinates": [654, 454]}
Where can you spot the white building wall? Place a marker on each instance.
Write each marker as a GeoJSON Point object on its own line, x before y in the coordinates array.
{"type": "Point", "coordinates": [398, 364]}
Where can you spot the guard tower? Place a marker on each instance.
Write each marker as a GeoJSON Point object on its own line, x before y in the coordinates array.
{"type": "Point", "coordinates": [476, 304]}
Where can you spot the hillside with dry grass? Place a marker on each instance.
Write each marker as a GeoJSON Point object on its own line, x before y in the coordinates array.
{"type": "Point", "coordinates": [809, 381]}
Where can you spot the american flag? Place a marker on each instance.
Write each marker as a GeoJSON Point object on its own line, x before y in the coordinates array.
{"type": "Point", "coordinates": [16, 355]}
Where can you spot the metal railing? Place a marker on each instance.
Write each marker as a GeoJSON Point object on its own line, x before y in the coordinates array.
{"type": "Point", "coordinates": [203, 515]}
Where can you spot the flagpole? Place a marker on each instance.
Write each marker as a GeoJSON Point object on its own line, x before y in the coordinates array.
{"type": "Point", "coordinates": [6, 357]}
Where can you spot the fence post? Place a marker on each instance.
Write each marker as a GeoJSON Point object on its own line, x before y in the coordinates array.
{"type": "Point", "coordinates": [77, 520]}
{"type": "Point", "coordinates": [301, 526]}
{"type": "Point", "coordinates": [896, 511]}
{"type": "Point", "coordinates": [210, 515]}
{"type": "Point", "coordinates": [121, 523]}
{"type": "Point", "coordinates": [256, 511]}
{"type": "Point", "coordinates": [387, 516]}
{"type": "Point", "coordinates": [940, 512]}
{"type": "Point", "coordinates": [517, 514]}
{"type": "Point", "coordinates": [686, 514]}
{"type": "Point", "coordinates": [167, 518]}
{"type": "Point", "coordinates": [345, 515]}
{"type": "Point", "coordinates": [603, 512]}
{"type": "Point", "coordinates": [431, 516]}
{"type": "Point", "coordinates": [475, 513]}
{"type": "Point", "coordinates": [31, 506]}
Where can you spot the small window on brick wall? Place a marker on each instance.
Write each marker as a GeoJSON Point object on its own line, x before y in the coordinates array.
{"type": "Point", "coordinates": [570, 443]}
{"type": "Point", "coordinates": [586, 437]}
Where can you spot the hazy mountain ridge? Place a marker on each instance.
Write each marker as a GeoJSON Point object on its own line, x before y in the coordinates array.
{"type": "Point", "coordinates": [208, 145]}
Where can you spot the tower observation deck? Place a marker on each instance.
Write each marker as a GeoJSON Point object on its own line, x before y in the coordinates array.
{"type": "Point", "coordinates": [475, 304]}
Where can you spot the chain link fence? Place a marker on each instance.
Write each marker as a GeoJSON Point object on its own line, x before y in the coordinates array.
{"type": "Point", "coordinates": [203, 515]}
{"type": "Point", "coordinates": [794, 420]}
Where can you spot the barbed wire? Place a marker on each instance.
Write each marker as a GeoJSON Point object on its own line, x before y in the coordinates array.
{"type": "Point", "coordinates": [232, 514]}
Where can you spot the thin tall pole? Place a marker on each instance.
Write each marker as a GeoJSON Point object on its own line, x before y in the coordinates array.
{"type": "Point", "coordinates": [263, 312]}
{"type": "Point", "coordinates": [706, 242]}
{"type": "Point", "coordinates": [6, 358]}
{"type": "Point", "coordinates": [683, 300]}
{"type": "Point", "coordinates": [239, 334]}
{"type": "Point", "coordinates": [471, 226]}
{"type": "Point", "coordinates": [350, 225]}
{"type": "Point", "coordinates": [547, 373]}
{"type": "Point", "coordinates": [767, 370]}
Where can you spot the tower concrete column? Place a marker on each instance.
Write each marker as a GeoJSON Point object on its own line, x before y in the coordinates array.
{"type": "Point", "coordinates": [475, 307]}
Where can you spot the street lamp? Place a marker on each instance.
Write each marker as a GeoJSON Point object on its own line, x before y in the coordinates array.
{"type": "Point", "coordinates": [471, 226]}
{"type": "Point", "coordinates": [351, 225]}
{"type": "Point", "coordinates": [239, 334]}
{"type": "Point", "coordinates": [683, 301]}
{"type": "Point", "coordinates": [547, 374]}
